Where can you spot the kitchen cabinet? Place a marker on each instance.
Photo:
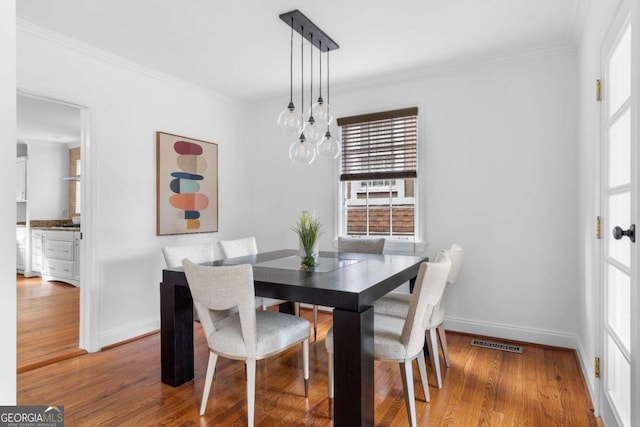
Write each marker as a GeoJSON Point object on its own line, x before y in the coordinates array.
{"type": "Point", "coordinates": [61, 260]}
{"type": "Point", "coordinates": [37, 243]}
{"type": "Point", "coordinates": [21, 179]}
{"type": "Point", "coordinates": [76, 255]}
{"type": "Point", "coordinates": [21, 249]}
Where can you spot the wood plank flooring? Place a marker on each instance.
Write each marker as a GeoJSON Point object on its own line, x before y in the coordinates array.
{"type": "Point", "coordinates": [121, 386]}
{"type": "Point", "coordinates": [47, 322]}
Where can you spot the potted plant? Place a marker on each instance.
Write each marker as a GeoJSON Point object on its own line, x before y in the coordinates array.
{"type": "Point", "coordinates": [308, 230]}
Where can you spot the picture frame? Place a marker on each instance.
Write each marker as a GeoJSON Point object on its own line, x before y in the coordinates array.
{"type": "Point", "coordinates": [186, 185]}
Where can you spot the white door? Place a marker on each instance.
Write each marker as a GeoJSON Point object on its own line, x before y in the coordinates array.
{"type": "Point", "coordinates": [619, 213]}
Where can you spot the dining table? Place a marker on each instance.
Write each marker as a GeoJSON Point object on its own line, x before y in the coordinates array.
{"type": "Point", "coordinates": [348, 282]}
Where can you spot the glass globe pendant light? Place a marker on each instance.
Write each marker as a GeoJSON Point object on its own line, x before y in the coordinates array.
{"type": "Point", "coordinates": [329, 147]}
{"type": "Point", "coordinates": [320, 109]}
{"type": "Point", "coordinates": [312, 129]}
{"type": "Point", "coordinates": [302, 151]}
{"type": "Point", "coordinates": [313, 135]}
{"type": "Point", "coordinates": [290, 121]}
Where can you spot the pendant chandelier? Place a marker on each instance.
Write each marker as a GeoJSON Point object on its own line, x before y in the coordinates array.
{"type": "Point", "coordinates": [312, 134]}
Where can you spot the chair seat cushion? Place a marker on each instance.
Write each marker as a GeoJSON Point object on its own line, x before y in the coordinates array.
{"type": "Point", "coordinates": [275, 331]}
{"type": "Point", "coordinates": [386, 342]}
{"type": "Point", "coordinates": [397, 304]}
{"type": "Point", "coordinates": [269, 302]}
{"type": "Point", "coordinates": [393, 304]}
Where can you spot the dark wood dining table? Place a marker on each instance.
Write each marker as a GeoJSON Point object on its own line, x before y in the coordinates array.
{"type": "Point", "coordinates": [348, 282]}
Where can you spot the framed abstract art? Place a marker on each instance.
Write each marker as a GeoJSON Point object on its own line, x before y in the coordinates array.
{"type": "Point", "coordinates": [186, 185]}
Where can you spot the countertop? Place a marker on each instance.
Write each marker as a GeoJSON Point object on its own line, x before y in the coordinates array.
{"type": "Point", "coordinates": [57, 228]}
{"type": "Point", "coordinates": [58, 225]}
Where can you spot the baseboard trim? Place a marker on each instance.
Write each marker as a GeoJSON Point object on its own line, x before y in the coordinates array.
{"type": "Point", "coordinates": [510, 332]}
{"type": "Point", "coordinates": [115, 336]}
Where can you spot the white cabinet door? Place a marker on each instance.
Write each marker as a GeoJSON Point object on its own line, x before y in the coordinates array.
{"type": "Point", "coordinates": [76, 258]}
{"type": "Point", "coordinates": [21, 179]}
{"type": "Point", "coordinates": [37, 243]}
{"type": "Point", "coordinates": [21, 248]}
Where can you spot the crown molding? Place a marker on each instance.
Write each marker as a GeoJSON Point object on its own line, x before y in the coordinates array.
{"type": "Point", "coordinates": [444, 68]}
{"type": "Point", "coordinates": [457, 67]}
{"type": "Point", "coordinates": [420, 73]}
{"type": "Point", "coordinates": [29, 28]}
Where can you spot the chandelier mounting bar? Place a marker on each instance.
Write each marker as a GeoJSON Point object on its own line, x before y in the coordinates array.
{"type": "Point", "coordinates": [307, 29]}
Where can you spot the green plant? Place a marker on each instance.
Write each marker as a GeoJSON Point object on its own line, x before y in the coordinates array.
{"type": "Point", "coordinates": [308, 229]}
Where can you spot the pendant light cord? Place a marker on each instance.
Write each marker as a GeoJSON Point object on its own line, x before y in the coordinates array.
{"type": "Point", "coordinates": [328, 95]}
{"type": "Point", "coordinates": [320, 78]}
{"type": "Point", "coordinates": [301, 78]}
{"type": "Point", "coordinates": [291, 66]}
{"type": "Point", "coordinates": [311, 120]}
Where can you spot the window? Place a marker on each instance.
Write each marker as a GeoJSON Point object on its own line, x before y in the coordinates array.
{"type": "Point", "coordinates": [74, 185]}
{"type": "Point", "coordinates": [378, 173]}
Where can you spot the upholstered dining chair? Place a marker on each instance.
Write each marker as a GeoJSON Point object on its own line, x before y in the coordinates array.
{"type": "Point", "coordinates": [361, 245]}
{"type": "Point", "coordinates": [397, 304]}
{"type": "Point", "coordinates": [173, 256]}
{"type": "Point", "coordinates": [401, 340]}
{"type": "Point", "coordinates": [356, 245]}
{"type": "Point", "coordinates": [244, 247]}
{"type": "Point", "coordinates": [224, 298]}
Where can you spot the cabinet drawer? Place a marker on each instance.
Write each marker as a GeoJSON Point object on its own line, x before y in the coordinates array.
{"type": "Point", "coordinates": [36, 244]}
{"type": "Point", "coordinates": [60, 235]}
{"type": "Point", "coordinates": [36, 265]}
{"type": "Point", "coordinates": [60, 250]}
{"type": "Point", "coordinates": [59, 268]}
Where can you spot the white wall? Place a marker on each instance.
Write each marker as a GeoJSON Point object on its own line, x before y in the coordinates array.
{"type": "Point", "coordinates": [127, 105]}
{"type": "Point", "coordinates": [7, 201]}
{"type": "Point", "coordinates": [498, 175]}
{"type": "Point", "coordinates": [47, 192]}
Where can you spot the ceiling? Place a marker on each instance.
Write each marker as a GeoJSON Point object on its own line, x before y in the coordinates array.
{"type": "Point", "coordinates": [46, 121]}
{"type": "Point", "coordinates": [240, 48]}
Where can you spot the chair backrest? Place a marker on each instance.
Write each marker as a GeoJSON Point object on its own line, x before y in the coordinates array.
{"type": "Point", "coordinates": [360, 245]}
{"type": "Point", "coordinates": [427, 293]}
{"type": "Point", "coordinates": [217, 291]}
{"type": "Point", "coordinates": [239, 247]}
{"type": "Point", "coordinates": [456, 253]}
{"type": "Point", "coordinates": [173, 255]}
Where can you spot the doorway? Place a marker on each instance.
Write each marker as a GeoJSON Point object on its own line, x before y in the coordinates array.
{"type": "Point", "coordinates": [618, 205]}
{"type": "Point", "coordinates": [51, 137]}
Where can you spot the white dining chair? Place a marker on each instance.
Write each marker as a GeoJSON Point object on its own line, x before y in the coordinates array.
{"type": "Point", "coordinates": [354, 245]}
{"type": "Point", "coordinates": [401, 340]}
{"type": "Point", "coordinates": [224, 298]}
{"type": "Point", "coordinates": [361, 245]}
{"type": "Point", "coordinates": [173, 256]}
{"type": "Point", "coordinates": [397, 304]}
{"type": "Point", "coordinates": [244, 247]}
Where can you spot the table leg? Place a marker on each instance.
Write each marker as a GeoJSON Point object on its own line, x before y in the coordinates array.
{"type": "Point", "coordinates": [354, 370]}
{"type": "Point", "coordinates": [176, 334]}
{"type": "Point", "coordinates": [286, 307]}
{"type": "Point", "coordinates": [412, 284]}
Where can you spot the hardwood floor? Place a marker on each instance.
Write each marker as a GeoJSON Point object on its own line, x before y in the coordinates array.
{"type": "Point", "coordinates": [121, 386]}
{"type": "Point", "coordinates": [47, 323]}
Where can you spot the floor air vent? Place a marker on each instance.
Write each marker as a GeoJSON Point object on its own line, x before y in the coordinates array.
{"type": "Point", "coordinates": [496, 346]}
